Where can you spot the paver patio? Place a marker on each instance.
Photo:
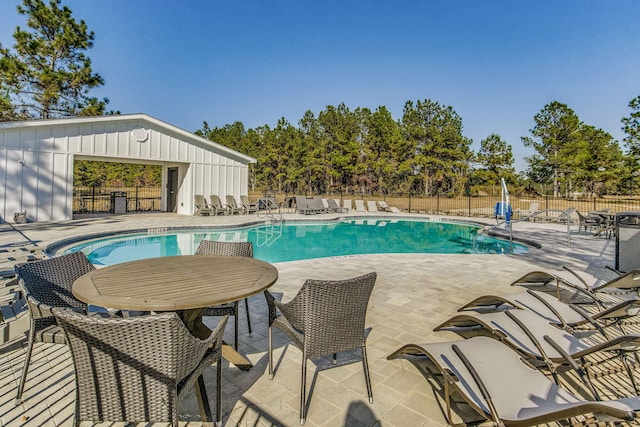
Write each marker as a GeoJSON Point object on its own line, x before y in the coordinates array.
{"type": "Point", "coordinates": [413, 294]}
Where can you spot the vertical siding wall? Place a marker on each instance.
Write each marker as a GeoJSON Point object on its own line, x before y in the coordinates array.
{"type": "Point", "coordinates": [44, 185]}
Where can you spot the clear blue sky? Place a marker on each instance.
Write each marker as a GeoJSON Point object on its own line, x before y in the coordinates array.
{"type": "Point", "coordinates": [497, 63]}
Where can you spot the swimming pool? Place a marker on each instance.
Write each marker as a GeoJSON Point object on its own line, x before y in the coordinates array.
{"type": "Point", "coordinates": [293, 241]}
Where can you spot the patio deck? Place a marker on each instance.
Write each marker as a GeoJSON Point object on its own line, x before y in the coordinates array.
{"type": "Point", "coordinates": [413, 294]}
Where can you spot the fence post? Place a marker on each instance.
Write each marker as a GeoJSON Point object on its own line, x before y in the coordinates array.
{"type": "Point", "coordinates": [409, 202]}
{"type": "Point", "coordinates": [437, 202]}
{"type": "Point", "coordinates": [93, 199]}
{"type": "Point", "coordinates": [594, 203]}
{"type": "Point", "coordinates": [469, 203]}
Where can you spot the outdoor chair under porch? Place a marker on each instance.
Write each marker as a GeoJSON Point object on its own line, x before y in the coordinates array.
{"type": "Point", "coordinates": [139, 368]}
{"type": "Point", "coordinates": [325, 317]}
{"type": "Point", "coordinates": [47, 284]}
{"type": "Point", "coordinates": [245, 249]}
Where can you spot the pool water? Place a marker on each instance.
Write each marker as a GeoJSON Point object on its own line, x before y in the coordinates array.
{"type": "Point", "coordinates": [302, 240]}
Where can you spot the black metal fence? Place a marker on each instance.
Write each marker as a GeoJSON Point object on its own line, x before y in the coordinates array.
{"type": "Point", "coordinates": [114, 199]}
{"type": "Point", "coordinates": [483, 206]}
{"type": "Point", "coordinates": [149, 199]}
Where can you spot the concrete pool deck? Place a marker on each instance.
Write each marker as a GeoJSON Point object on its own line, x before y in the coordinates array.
{"type": "Point", "coordinates": [413, 294]}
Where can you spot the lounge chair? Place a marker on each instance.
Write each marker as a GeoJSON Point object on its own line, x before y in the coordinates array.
{"type": "Point", "coordinates": [334, 207]}
{"type": "Point", "coordinates": [360, 206]}
{"type": "Point", "coordinates": [588, 288]}
{"type": "Point", "coordinates": [497, 384]}
{"type": "Point", "coordinates": [554, 310]}
{"type": "Point", "coordinates": [325, 317]}
{"type": "Point", "coordinates": [529, 214]}
{"type": "Point", "coordinates": [371, 206]}
{"type": "Point", "coordinates": [346, 204]}
{"type": "Point", "coordinates": [527, 333]}
{"type": "Point", "coordinates": [208, 247]}
{"type": "Point", "coordinates": [233, 206]}
{"type": "Point", "coordinates": [385, 207]}
{"type": "Point", "coordinates": [138, 368]}
{"type": "Point", "coordinates": [217, 207]}
{"type": "Point", "coordinates": [201, 206]}
{"type": "Point", "coordinates": [248, 206]}
{"type": "Point", "coordinates": [315, 205]}
{"type": "Point", "coordinates": [302, 206]}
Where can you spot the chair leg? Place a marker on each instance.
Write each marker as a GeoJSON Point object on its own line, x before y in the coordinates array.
{"type": "Point", "coordinates": [235, 324]}
{"type": "Point", "coordinates": [270, 353]}
{"type": "Point", "coordinates": [27, 360]}
{"type": "Point", "coordinates": [367, 378]}
{"type": "Point", "coordinates": [219, 390]}
{"type": "Point", "coordinates": [203, 401]}
{"type": "Point", "coordinates": [303, 390]}
{"type": "Point", "coordinates": [246, 307]}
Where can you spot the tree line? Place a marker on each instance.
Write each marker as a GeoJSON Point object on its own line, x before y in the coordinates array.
{"type": "Point", "coordinates": [426, 153]}
{"type": "Point", "coordinates": [48, 74]}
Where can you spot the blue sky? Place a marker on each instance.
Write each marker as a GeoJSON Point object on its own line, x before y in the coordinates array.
{"type": "Point", "coordinates": [497, 63]}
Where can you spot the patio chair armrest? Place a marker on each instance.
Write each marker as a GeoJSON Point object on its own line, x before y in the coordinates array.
{"type": "Point", "coordinates": [291, 310]}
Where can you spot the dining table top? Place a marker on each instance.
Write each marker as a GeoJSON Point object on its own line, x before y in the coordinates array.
{"type": "Point", "coordinates": [175, 282]}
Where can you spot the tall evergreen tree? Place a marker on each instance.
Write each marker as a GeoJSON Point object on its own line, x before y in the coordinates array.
{"type": "Point", "coordinates": [48, 75]}
{"type": "Point", "coordinates": [441, 152]}
{"type": "Point", "coordinates": [632, 128]}
{"type": "Point", "coordinates": [556, 126]}
{"type": "Point", "coordinates": [496, 160]}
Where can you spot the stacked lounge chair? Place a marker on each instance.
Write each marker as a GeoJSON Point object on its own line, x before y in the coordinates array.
{"type": "Point", "coordinates": [551, 335]}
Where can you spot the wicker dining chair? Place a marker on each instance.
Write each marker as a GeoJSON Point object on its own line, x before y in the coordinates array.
{"type": "Point", "coordinates": [245, 249]}
{"type": "Point", "coordinates": [138, 368]}
{"type": "Point", "coordinates": [47, 284]}
{"type": "Point", "coordinates": [325, 317]}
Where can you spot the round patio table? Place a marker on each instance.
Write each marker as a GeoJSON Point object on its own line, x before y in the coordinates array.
{"type": "Point", "coordinates": [186, 284]}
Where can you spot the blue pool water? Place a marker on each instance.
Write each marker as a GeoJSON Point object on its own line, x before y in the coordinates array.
{"type": "Point", "coordinates": [297, 241]}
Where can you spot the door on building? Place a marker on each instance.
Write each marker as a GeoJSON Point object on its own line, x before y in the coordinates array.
{"type": "Point", "coordinates": [172, 189]}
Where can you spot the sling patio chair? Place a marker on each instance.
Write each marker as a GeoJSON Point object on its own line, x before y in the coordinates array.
{"type": "Point", "coordinates": [583, 287]}
{"type": "Point", "coordinates": [555, 311]}
{"type": "Point", "coordinates": [371, 206]}
{"type": "Point", "coordinates": [245, 249]}
{"type": "Point", "coordinates": [201, 206]}
{"type": "Point", "coordinates": [529, 213]}
{"type": "Point", "coordinates": [47, 284]}
{"type": "Point", "coordinates": [360, 206]}
{"type": "Point", "coordinates": [325, 317]}
{"type": "Point", "coordinates": [233, 206]}
{"type": "Point", "coordinates": [346, 204]}
{"type": "Point", "coordinates": [503, 388]}
{"type": "Point", "coordinates": [335, 207]}
{"type": "Point", "coordinates": [248, 206]}
{"type": "Point", "coordinates": [217, 206]}
{"type": "Point", "coordinates": [302, 207]}
{"type": "Point", "coordinates": [316, 205]}
{"type": "Point", "coordinates": [386, 208]}
{"type": "Point", "coordinates": [527, 333]}
{"type": "Point", "coordinates": [139, 368]}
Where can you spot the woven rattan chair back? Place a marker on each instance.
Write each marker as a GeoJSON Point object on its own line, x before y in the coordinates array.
{"type": "Point", "coordinates": [209, 247]}
{"type": "Point", "coordinates": [334, 314]}
{"type": "Point", "coordinates": [47, 284]}
{"type": "Point", "coordinates": [245, 249]}
{"type": "Point", "coordinates": [135, 368]}
{"type": "Point", "coordinates": [49, 281]}
{"type": "Point", "coordinates": [325, 317]}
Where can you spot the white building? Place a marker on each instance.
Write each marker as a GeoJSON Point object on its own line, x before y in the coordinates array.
{"type": "Point", "coordinates": [37, 156]}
